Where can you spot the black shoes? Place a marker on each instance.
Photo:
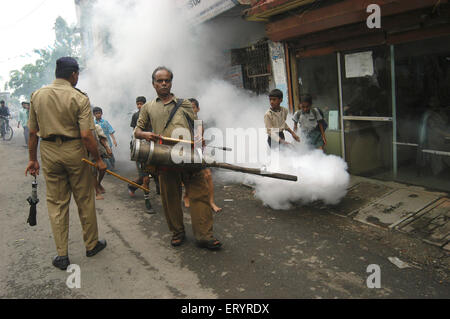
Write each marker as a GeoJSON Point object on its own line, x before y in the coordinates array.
{"type": "Point", "coordinates": [61, 262]}
{"type": "Point", "coordinates": [101, 244]}
{"type": "Point", "coordinates": [148, 207]}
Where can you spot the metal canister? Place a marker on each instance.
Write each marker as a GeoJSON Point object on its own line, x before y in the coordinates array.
{"type": "Point", "coordinates": [155, 154]}
{"type": "Point", "coordinates": [186, 158]}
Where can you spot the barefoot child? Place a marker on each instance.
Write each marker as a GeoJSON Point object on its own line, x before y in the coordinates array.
{"type": "Point", "coordinates": [105, 152]}
{"type": "Point", "coordinates": [206, 172]}
{"type": "Point", "coordinates": [108, 132]}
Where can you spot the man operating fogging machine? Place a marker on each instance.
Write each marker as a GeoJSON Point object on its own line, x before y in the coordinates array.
{"type": "Point", "coordinates": [165, 114]}
{"type": "Point", "coordinates": [180, 163]}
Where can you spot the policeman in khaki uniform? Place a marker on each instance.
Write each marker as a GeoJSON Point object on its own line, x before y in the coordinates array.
{"type": "Point", "coordinates": [61, 116]}
{"type": "Point", "coordinates": [157, 113]}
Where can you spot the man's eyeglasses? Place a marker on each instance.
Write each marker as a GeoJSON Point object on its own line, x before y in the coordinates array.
{"type": "Point", "coordinates": [163, 80]}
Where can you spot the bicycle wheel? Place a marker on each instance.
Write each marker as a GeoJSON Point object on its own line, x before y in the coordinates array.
{"type": "Point", "coordinates": [9, 133]}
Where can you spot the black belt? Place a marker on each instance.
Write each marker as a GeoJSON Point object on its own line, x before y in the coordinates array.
{"type": "Point", "coordinates": [63, 138]}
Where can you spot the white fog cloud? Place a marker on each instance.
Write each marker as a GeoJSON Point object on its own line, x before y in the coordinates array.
{"type": "Point", "coordinates": [154, 33]}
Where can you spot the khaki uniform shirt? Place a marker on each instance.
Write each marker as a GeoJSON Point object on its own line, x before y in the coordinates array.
{"type": "Point", "coordinates": [276, 120]}
{"type": "Point", "coordinates": [155, 114]}
{"type": "Point", "coordinates": [60, 109]}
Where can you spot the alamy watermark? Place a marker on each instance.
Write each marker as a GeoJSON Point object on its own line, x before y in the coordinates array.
{"type": "Point", "coordinates": [74, 279]}
{"type": "Point", "coordinates": [374, 19]}
{"type": "Point", "coordinates": [246, 145]}
{"type": "Point", "coordinates": [374, 279]}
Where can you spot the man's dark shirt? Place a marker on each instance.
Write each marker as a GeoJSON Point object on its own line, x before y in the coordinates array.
{"type": "Point", "coordinates": [134, 119]}
{"type": "Point", "coordinates": [4, 111]}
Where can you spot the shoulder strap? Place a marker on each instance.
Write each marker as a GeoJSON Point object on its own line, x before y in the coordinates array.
{"type": "Point", "coordinates": [174, 110]}
{"type": "Point", "coordinates": [323, 121]}
{"type": "Point", "coordinates": [315, 113]}
{"type": "Point", "coordinates": [81, 92]}
{"type": "Point", "coordinates": [190, 123]}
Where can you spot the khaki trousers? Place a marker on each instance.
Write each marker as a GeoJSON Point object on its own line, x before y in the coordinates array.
{"type": "Point", "coordinates": [201, 214]}
{"type": "Point", "coordinates": [65, 174]}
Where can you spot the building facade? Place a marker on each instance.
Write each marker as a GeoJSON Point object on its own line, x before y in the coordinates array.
{"type": "Point", "coordinates": [380, 71]}
{"type": "Point", "coordinates": [254, 62]}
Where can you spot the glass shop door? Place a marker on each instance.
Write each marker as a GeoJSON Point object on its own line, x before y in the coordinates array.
{"type": "Point", "coordinates": [366, 106]}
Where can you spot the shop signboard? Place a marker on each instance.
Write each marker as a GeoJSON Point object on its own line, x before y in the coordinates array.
{"type": "Point", "coordinates": [234, 76]}
{"type": "Point", "coordinates": [199, 11]}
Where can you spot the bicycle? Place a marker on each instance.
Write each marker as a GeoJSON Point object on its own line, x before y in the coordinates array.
{"type": "Point", "coordinates": [6, 130]}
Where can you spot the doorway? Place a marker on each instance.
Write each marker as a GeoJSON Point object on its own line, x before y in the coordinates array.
{"type": "Point", "coordinates": [367, 111]}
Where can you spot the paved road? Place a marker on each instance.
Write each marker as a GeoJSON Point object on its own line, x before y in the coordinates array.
{"type": "Point", "coordinates": [300, 253]}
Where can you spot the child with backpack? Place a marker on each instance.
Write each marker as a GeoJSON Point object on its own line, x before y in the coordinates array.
{"type": "Point", "coordinates": [311, 122]}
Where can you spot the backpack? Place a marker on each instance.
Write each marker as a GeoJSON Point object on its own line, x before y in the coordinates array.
{"type": "Point", "coordinates": [323, 121]}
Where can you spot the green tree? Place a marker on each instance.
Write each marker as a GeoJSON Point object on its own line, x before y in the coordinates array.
{"type": "Point", "coordinates": [35, 75]}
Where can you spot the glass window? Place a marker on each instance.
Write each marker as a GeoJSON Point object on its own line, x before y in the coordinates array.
{"type": "Point", "coordinates": [366, 85]}
{"type": "Point", "coordinates": [256, 67]}
{"type": "Point", "coordinates": [366, 92]}
{"type": "Point", "coordinates": [368, 148]}
{"type": "Point", "coordinates": [318, 77]}
{"type": "Point", "coordinates": [423, 112]}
